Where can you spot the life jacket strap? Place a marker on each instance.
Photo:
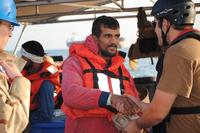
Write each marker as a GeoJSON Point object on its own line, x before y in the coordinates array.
{"type": "Point", "coordinates": [185, 110]}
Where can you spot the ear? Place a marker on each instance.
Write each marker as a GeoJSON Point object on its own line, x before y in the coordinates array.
{"type": "Point", "coordinates": [95, 38]}
{"type": "Point", "coordinates": [165, 25]}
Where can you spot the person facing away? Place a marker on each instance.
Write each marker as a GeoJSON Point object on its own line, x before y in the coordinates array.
{"type": "Point", "coordinates": [177, 94]}
{"type": "Point", "coordinates": [14, 88]}
{"type": "Point", "coordinates": [45, 82]}
{"type": "Point", "coordinates": [94, 80]}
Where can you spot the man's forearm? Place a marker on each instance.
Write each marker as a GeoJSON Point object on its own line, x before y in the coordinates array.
{"type": "Point", "coordinates": [157, 110]}
{"type": "Point", "coordinates": [149, 118]}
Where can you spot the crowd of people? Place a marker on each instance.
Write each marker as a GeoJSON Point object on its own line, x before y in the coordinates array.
{"type": "Point", "coordinates": [99, 94]}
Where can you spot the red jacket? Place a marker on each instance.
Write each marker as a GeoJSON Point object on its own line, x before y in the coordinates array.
{"type": "Point", "coordinates": [80, 99]}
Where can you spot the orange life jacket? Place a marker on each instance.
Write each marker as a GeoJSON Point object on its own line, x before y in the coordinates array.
{"type": "Point", "coordinates": [114, 79]}
{"type": "Point", "coordinates": [38, 78]}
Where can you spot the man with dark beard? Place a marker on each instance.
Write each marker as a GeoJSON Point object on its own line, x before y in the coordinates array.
{"type": "Point", "coordinates": [95, 81]}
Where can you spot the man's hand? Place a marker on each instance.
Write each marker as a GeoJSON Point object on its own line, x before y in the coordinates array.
{"type": "Point", "coordinates": [11, 71]}
{"type": "Point", "coordinates": [121, 120]}
{"type": "Point", "coordinates": [132, 127]}
{"type": "Point", "coordinates": [125, 105]}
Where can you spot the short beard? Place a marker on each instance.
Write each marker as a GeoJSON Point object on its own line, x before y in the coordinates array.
{"type": "Point", "coordinates": [107, 54]}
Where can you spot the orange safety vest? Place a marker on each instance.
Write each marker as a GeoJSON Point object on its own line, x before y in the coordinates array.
{"type": "Point", "coordinates": [38, 78]}
{"type": "Point", "coordinates": [114, 79]}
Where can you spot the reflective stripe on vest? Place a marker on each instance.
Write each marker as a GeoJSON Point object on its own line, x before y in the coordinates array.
{"type": "Point", "coordinates": [101, 78]}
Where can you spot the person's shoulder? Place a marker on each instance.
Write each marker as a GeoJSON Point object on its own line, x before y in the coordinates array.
{"type": "Point", "coordinates": [72, 59]}
{"type": "Point", "coordinates": [188, 43]}
{"type": "Point", "coordinates": [187, 48]}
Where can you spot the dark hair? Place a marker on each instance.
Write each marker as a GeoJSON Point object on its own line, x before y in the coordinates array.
{"type": "Point", "coordinates": [106, 21]}
{"type": "Point", "coordinates": [34, 47]}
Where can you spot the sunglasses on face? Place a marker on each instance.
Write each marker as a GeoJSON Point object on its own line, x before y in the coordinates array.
{"type": "Point", "coordinates": [10, 26]}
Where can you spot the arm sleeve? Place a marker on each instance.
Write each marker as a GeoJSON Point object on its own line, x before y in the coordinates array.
{"type": "Point", "coordinates": [16, 107]}
{"type": "Point", "coordinates": [74, 94]}
{"type": "Point", "coordinates": [20, 90]}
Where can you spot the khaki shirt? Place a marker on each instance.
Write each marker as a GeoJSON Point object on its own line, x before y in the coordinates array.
{"type": "Point", "coordinates": [14, 102]}
{"type": "Point", "coordinates": [181, 76]}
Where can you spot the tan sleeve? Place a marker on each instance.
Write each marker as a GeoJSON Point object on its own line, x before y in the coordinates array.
{"type": "Point", "coordinates": [177, 75]}
{"type": "Point", "coordinates": [20, 94]}
{"type": "Point", "coordinates": [20, 90]}
{"type": "Point", "coordinates": [14, 103]}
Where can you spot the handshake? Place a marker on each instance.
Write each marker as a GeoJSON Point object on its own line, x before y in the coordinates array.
{"type": "Point", "coordinates": [129, 109]}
